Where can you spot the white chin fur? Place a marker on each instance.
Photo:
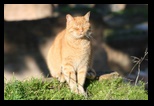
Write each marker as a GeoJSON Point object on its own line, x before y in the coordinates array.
{"type": "Point", "coordinates": [78, 36]}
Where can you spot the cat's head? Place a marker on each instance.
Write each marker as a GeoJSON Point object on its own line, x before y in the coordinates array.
{"type": "Point", "coordinates": [78, 27]}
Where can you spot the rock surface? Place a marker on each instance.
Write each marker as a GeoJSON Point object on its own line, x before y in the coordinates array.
{"type": "Point", "coordinates": [109, 76]}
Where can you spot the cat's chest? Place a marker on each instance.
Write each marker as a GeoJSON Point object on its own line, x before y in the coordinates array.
{"type": "Point", "coordinates": [79, 57]}
{"type": "Point", "coordinates": [78, 53]}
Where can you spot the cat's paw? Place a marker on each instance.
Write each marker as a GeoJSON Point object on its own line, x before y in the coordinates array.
{"type": "Point", "coordinates": [91, 74]}
{"type": "Point", "coordinates": [79, 90]}
{"type": "Point", "coordinates": [61, 78]}
{"type": "Point", "coordinates": [74, 89]}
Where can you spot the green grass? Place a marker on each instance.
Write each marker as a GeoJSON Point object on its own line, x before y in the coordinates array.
{"type": "Point", "coordinates": [35, 89]}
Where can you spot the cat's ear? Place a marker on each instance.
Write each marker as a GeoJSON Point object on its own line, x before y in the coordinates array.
{"type": "Point", "coordinates": [69, 18]}
{"type": "Point", "coordinates": [87, 16]}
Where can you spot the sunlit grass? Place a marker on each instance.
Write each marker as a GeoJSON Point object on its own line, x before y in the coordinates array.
{"type": "Point", "coordinates": [35, 89]}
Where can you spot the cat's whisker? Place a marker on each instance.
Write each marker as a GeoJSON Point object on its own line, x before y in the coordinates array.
{"type": "Point", "coordinates": [79, 43]}
{"type": "Point", "coordinates": [90, 37]}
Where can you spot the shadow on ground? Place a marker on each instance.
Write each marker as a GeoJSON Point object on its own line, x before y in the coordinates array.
{"type": "Point", "coordinates": [25, 38]}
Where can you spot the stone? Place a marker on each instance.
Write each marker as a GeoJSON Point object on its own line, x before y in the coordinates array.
{"type": "Point", "coordinates": [18, 12]}
{"type": "Point", "coordinates": [109, 76]}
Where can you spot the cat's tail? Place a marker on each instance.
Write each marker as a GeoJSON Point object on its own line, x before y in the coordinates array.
{"type": "Point", "coordinates": [91, 74]}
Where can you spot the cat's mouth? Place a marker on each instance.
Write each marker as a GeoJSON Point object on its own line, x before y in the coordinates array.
{"type": "Point", "coordinates": [79, 36]}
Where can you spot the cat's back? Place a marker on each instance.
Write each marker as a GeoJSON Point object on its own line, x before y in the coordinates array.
{"type": "Point", "coordinates": [59, 37]}
{"type": "Point", "coordinates": [57, 44]}
{"type": "Point", "coordinates": [54, 55]}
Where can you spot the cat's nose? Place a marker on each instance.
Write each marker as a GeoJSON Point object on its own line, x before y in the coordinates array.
{"type": "Point", "coordinates": [81, 30]}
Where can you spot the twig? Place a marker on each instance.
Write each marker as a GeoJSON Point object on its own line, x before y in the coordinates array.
{"type": "Point", "coordinates": [138, 62]}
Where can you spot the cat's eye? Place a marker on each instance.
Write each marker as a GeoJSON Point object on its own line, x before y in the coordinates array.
{"type": "Point", "coordinates": [86, 27]}
{"type": "Point", "coordinates": [70, 30]}
{"type": "Point", "coordinates": [76, 28]}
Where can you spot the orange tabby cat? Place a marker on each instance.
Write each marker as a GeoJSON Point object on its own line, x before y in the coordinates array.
{"type": "Point", "coordinates": [70, 56]}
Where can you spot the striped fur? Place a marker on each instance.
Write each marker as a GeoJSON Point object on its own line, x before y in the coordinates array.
{"type": "Point", "coordinates": [70, 56]}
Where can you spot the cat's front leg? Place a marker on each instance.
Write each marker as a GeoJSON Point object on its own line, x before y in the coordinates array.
{"type": "Point", "coordinates": [61, 77]}
{"type": "Point", "coordinates": [70, 76]}
{"type": "Point", "coordinates": [81, 76]}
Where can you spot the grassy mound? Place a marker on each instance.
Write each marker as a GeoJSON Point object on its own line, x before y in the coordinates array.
{"type": "Point", "coordinates": [36, 89]}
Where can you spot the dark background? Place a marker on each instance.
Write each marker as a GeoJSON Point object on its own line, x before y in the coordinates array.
{"type": "Point", "coordinates": [119, 32]}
